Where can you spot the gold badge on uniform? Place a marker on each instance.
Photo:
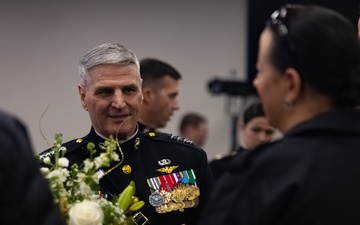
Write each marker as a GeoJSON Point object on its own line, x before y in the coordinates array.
{"type": "Point", "coordinates": [137, 143]}
{"type": "Point", "coordinates": [167, 169]}
{"type": "Point", "coordinates": [126, 169]}
{"type": "Point", "coordinates": [164, 162]}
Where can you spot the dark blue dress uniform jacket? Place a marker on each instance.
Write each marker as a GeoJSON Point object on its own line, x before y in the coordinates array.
{"type": "Point", "coordinates": [142, 153]}
{"type": "Point", "coordinates": [312, 176]}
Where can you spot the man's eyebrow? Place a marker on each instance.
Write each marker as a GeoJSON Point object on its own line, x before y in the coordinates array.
{"type": "Point", "coordinates": [132, 86]}
{"type": "Point", "coordinates": [101, 88]}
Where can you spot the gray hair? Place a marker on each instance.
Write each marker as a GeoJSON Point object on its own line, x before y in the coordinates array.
{"type": "Point", "coordinates": [107, 53]}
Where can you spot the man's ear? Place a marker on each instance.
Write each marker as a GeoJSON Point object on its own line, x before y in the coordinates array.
{"type": "Point", "coordinates": [81, 92]}
{"type": "Point", "coordinates": [82, 96]}
{"type": "Point", "coordinates": [148, 95]}
{"type": "Point", "coordinates": [293, 84]}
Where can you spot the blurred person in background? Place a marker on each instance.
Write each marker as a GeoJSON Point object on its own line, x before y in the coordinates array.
{"type": "Point", "coordinates": [194, 126]}
{"type": "Point", "coordinates": [160, 88]}
{"type": "Point", "coordinates": [253, 130]}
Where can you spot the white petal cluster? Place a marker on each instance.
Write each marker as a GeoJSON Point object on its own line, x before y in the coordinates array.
{"type": "Point", "coordinates": [105, 159]}
{"type": "Point", "coordinates": [85, 189]}
{"type": "Point", "coordinates": [98, 162]}
{"type": "Point", "coordinates": [47, 160]}
{"type": "Point", "coordinates": [63, 162]}
{"type": "Point", "coordinates": [60, 173]}
{"type": "Point", "coordinates": [88, 165]}
{"type": "Point", "coordinates": [76, 188]}
{"type": "Point", "coordinates": [114, 156]}
{"type": "Point", "coordinates": [45, 171]}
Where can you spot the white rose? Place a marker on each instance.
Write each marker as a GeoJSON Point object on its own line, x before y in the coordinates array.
{"type": "Point", "coordinates": [86, 213]}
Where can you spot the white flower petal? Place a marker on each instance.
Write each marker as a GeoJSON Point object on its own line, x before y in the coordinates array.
{"type": "Point", "coordinates": [63, 162]}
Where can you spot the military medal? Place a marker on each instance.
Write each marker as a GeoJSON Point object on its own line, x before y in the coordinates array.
{"type": "Point", "coordinates": [156, 199]}
{"type": "Point", "coordinates": [164, 184]}
{"type": "Point", "coordinates": [185, 177]}
{"type": "Point", "coordinates": [192, 176]}
{"type": "Point", "coordinates": [178, 177]}
{"type": "Point", "coordinates": [154, 183]}
{"type": "Point", "coordinates": [173, 191]}
{"type": "Point", "coordinates": [194, 192]}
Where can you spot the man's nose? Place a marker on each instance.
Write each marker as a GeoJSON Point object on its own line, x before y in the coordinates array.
{"type": "Point", "coordinates": [118, 100]}
{"type": "Point", "coordinates": [263, 137]}
{"type": "Point", "coordinates": [176, 105]}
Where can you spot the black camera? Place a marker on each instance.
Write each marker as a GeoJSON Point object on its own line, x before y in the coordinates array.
{"type": "Point", "coordinates": [231, 87]}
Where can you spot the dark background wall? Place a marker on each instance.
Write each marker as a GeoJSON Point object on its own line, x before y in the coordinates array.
{"type": "Point", "coordinates": [260, 11]}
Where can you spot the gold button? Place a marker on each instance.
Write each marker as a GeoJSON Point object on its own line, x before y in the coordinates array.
{"type": "Point", "coordinates": [126, 169]}
{"type": "Point", "coordinates": [151, 134]}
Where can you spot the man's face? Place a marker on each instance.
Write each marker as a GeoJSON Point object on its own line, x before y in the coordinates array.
{"type": "Point", "coordinates": [164, 101]}
{"type": "Point", "coordinates": [112, 96]}
{"type": "Point", "coordinates": [197, 133]}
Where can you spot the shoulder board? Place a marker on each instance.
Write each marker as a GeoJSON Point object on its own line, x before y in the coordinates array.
{"type": "Point", "coordinates": [68, 147]}
{"type": "Point", "coordinates": [170, 138]}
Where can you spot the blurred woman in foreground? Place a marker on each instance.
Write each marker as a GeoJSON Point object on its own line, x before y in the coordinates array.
{"type": "Point", "coordinates": [309, 83]}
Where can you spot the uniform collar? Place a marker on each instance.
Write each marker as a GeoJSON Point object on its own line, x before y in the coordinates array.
{"type": "Point", "coordinates": [144, 128]}
{"type": "Point", "coordinates": [131, 143]}
{"type": "Point", "coordinates": [337, 120]}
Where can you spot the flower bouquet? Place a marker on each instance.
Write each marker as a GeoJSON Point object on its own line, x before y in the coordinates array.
{"type": "Point", "coordinates": [76, 189]}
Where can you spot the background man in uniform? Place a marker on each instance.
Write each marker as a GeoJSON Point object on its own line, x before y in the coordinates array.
{"type": "Point", "coordinates": [171, 175]}
{"type": "Point", "coordinates": [160, 89]}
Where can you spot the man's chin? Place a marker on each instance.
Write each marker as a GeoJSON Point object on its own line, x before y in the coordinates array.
{"type": "Point", "coordinates": [118, 120]}
{"type": "Point", "coordinates": [123, 131]}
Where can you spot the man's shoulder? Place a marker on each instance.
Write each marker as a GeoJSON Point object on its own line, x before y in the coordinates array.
{"type": "Point", "coordinates": [159, 137]}
{"type": "Point", "coordinates": [69, 147]}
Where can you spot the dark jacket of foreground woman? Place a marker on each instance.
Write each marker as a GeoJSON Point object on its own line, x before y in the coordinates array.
{"type": "Point", "coordinates": [25, 196]}
{"type": "Point", "coordinates": [312, 176]}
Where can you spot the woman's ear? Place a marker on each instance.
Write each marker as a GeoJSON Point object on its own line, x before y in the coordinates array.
{"type": "Point", "coordinates": [294, 85]}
